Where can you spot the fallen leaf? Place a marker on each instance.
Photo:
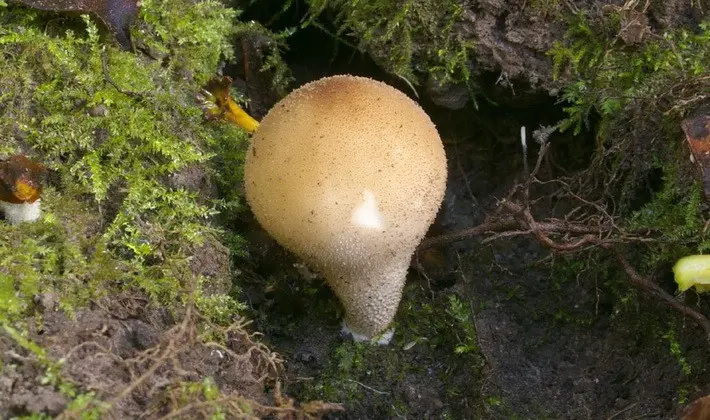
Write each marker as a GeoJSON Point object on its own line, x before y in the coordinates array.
{"type": "Point", "coordinates": [697, 133]}
{"type": "Point", "coordinates": [698, 410]}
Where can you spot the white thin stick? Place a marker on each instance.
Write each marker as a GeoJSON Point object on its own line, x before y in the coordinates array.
{"type": "Point", "coordinates": [524, 143]}
{"type": "Point", "coordinates": [376, 391]}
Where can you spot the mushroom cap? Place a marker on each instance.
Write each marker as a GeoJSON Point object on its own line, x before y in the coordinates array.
{"type": "Point", "coordinates": [348, 173]}
{"type": "Point", "coordinates": [693, 270]}
{"type": "Point", "coordinates": [20, 180]}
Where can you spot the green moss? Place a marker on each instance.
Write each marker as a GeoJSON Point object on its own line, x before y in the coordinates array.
{"type": "Point", "coordinates": [608, 77]}
{"type": "Point", "coordinates": [637, 96]}
{"type": "Point", "coordinates": [410, 38]}
{"type": "Point", "coordinates": [196, 35]}
{"type": "Point", "coordinates": [114, 128]}
{"type": "Point", "coordinates": [111, 221]}
{"type": "Point", "coordinates": [58, 253]}
{"type": "Point", "coordinates": [464, 320]}
{"type": "Point", "coordinates": [352, 367]}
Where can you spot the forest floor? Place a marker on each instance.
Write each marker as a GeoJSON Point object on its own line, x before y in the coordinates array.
{"type": "Point", "coordinates": [496, 328]}
{"type": "Point", "coordinates": [501, 329]}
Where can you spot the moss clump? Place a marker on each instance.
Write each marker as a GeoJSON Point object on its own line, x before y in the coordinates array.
{"type": "Point", "coordinates": [634, 96]}
{"type": "Point", "coordinates": [118, 131]}
{"type": "Point", "coordinates": [637, 97]}
{"type": "Point", "coordinates": [411, 38]}
{"type": "Point", "coordinates": [112, 126]}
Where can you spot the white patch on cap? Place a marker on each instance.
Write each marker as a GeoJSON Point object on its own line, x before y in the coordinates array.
{"type": "Point", "coordinates": [367, 214]}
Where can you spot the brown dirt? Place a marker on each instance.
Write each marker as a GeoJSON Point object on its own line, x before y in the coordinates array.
{"type": "Point", "coordinates": [550, 346]}
{"type": "Point", "coordinates": [512, 39]}
{"type": "Point", "coordinates": [108, 347]}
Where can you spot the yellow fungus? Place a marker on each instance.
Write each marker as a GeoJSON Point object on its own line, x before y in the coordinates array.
{"type": "Point", "coordinates": [25, 191]}
{"type": "Point", "coordinates": [218, 104]}
{"type": "Point", "coordinates": [693, 271]}
{"type": "Point", "coordinates": [238, 116]}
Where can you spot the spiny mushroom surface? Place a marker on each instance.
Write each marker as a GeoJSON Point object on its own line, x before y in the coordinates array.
{"type": "Point", "coordinates": [348, 173]}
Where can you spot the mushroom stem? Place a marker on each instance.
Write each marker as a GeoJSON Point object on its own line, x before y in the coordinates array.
{"type": "Point", "coordinates": [219, 104]}
{"type": "Point", "coordinates": [238, 116]}
{"type": "Point", "coordinates": [21, 212]}
{"type": "Point", "coordinates": [370, 297]}
{"type": "Point", "coordinates": [382, 339]}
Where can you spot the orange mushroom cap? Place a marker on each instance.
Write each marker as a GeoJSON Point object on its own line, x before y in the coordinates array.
{"type": "Point", "coordinates": [20, 180]}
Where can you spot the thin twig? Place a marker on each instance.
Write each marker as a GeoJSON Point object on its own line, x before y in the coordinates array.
{"type": "Point", "coordinates": [618, 413]}
{"type": "Point", "coordinates": [376, 391]}
{"type": "Point", "coordinates": [490, 226]}
{"type": "Point", "coordinates": [655, 290]}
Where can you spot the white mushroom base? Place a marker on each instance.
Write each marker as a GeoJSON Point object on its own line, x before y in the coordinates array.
{"type": "Point", "coordinates": [381, 339]}
{"type": "Point", "coordinates": [18, 213]}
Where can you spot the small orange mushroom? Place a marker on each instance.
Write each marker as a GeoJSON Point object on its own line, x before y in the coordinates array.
{"type": "Point", "coordinates": [218, 104]}
{"type": "Point", "coordinates": [20, 189]}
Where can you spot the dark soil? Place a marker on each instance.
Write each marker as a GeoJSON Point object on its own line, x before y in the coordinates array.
{"type": "Point", "coordinates": [550, 343]}
{"type": "Point", "coordinates": [107, 348]}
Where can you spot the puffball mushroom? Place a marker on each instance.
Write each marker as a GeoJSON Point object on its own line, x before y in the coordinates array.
{"type": "Point", "coordinates": [348, 173]}
{"type": "Point", "coordinates": [20, 189]}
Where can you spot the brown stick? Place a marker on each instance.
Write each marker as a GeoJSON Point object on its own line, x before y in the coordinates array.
{"type": "Point", "coordinates": [485, 227]}
{"type": "Point", "coordinates": [592, 236]}
{"type": "Point", "coordinates": [655, 290]}
{"type": "Point", "coordinates": [506, 224]}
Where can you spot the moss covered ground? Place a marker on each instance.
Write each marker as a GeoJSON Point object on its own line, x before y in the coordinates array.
{"type": "Point", "coordinates": [132, 296]}
{"type": "Point", "coordinates": [131, 227]}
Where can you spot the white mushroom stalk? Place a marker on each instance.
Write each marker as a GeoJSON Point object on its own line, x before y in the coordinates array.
{"type": "Point", "coordinates": [348, 174]}
{"type": "Point", "coordinates": [21, 212]}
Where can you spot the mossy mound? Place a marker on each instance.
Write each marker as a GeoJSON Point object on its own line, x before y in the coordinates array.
{"type": "Point", "coordinates": [126, 264]}
{"type": "Point", "coordinates": [113, 127]}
